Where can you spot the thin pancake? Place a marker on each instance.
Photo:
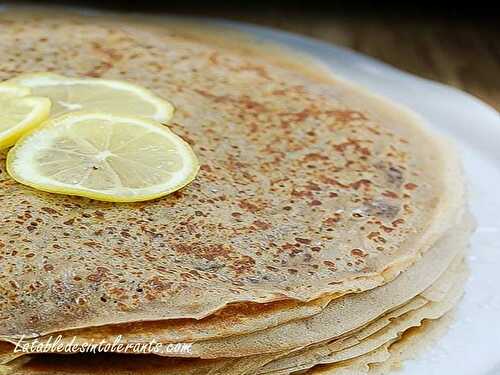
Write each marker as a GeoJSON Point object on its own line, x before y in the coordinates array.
{"type": "Point", "coordinates": [448, 288]}
{"type": "Point", "coordinates": [349, 312]}
{"type": "Point", "coordinates": [233, 320]}
{"type": "Point", "coordinates": [367, 342]}
{"type": "Point", "coordinates": [306, 188]}
{"type": "Point", "coordinates": [390, 356]}
{"type": "Point", "coordinates": [78, 364]}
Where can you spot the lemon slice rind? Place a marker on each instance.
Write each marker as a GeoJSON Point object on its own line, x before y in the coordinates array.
{"type": "Point", "coordinates": [37, 110]}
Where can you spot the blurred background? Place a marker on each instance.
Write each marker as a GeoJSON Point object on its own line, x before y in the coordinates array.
{"type": "Point", "coordinates": [455, 43]}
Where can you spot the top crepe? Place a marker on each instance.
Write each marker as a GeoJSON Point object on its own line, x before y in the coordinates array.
{"type": "Point", "coordinates": [306, 188]}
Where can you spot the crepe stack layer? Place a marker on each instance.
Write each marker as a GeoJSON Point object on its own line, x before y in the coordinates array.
{"type": "Point", "coordinates": [324, 234]}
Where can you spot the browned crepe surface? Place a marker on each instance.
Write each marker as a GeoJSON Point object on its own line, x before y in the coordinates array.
{"type": "Point", "coordinates": [305, 188]}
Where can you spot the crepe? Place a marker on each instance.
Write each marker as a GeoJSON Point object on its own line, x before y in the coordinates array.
{"type": "Point", "coordinates": [306, 189]}
{"type": "Point", "coordinates": [376, 340]}
{"type": "Point", "coordinates": [365, 306]}
{"type": "Point", "coordinates": [390, 356]}
{"type": "Point", "coordinates": [377, 336]}
{"type": "Point", "coordinates": [344, 314]}
{"type": "Point", "coordinates": [430, 277]}
{"type": "Point", "coordinates": [373, 336]}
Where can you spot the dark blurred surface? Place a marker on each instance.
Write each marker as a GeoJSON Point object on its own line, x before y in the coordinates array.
{"type": "Point", "coordinates": [477, 10]}
{"type": "Point", "coordinates": [452, 42]}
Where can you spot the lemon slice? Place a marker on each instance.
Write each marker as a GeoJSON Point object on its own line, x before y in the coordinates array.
{"type": "Point", "coordinates": [19, 113]}
{"type": "Point", "coordinates": [104, 157]}
{"type": "Point", "coordinates": [94, 94]}
{"type": "Point", "coordinates": [8, 90]}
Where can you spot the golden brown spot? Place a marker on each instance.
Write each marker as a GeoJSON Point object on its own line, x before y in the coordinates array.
{"type": "Point", "coordinates": [410, 186]}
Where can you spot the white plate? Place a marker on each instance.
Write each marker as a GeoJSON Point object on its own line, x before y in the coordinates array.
{"type": "Point", "coordinates": [472, 345]}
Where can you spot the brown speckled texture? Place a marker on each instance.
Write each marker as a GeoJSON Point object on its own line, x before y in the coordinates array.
{"type": "Point", "coordinates": [298, 191]}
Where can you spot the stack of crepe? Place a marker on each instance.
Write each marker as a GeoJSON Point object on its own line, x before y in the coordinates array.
{"type": "Point", "coordinates": [325, 233]}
